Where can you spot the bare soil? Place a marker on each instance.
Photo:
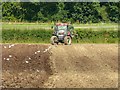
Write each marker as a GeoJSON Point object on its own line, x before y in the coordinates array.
{"type": "Point", "coordinates": [25, 65]}
{"type": "Point", "coordinates": [62, 66]}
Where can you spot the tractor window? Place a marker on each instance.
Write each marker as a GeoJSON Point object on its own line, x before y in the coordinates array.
{"type": "Point", "coordinates": [62, 27]}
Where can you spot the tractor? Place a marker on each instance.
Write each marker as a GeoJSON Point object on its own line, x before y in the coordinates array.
{"type": "Point", "coordinates": [63, 33]}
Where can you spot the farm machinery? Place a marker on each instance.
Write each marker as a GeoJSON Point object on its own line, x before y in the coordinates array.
{"type": "Point", "coordinates": [63, 33]}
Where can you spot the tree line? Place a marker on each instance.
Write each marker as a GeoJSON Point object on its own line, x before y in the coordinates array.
{"type": "Point", "coordinates": [81, 12]}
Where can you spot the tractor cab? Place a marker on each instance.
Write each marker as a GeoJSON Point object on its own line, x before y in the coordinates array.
{"type": "Point", "coordinates": [62, 26]}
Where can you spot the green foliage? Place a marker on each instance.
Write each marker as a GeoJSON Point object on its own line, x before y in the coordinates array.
{"type": "Point", "coordinates": [113, 12]}
{"type": "Point", "coordinates": [12, 11]}
{"type": "Point", "coordinates": [81, 12]}
{"type": "Point", "coordinates": [33, 36]}
{"type": "Point", "coordinates": [98, 36]}
{"type": "Point", "coordinates": [43, 36]}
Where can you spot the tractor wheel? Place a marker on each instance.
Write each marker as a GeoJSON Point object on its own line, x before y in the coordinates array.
{"type": "Point", "coordinates": [67, 40]}
{"type": "Point", "coordinates": [54, 40]}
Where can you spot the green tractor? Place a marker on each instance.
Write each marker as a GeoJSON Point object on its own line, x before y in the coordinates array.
{"type": "Point", "coordinates": [63, 33]}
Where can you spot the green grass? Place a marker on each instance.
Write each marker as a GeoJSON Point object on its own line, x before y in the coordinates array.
{"type": "Point", "coordinates": [43, 36]}
{"type": "Point", "coordinates": [41, 33]}
{"type": "Point", "coordinates": [47, 26]}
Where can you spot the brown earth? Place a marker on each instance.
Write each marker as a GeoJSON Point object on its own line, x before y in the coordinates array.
{"type": "Point", "coordinates": [46, 66]}
{"type": "Point", "coordinates": [25, 65]}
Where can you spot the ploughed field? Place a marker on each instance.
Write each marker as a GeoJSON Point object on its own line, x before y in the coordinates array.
{"type": "Point", "coordinates": [61, 66]}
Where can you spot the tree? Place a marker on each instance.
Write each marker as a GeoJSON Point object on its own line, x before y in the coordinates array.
{"type": "Point", "coordinates": [83, 12]}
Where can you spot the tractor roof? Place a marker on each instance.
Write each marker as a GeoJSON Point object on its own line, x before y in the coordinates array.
{"type": "Point", "coordinates": [62, 24]}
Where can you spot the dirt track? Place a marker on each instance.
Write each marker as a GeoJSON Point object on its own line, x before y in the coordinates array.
{"type": "Point", "coordinates": [80, 66]}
